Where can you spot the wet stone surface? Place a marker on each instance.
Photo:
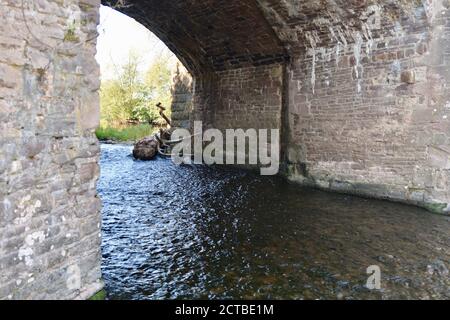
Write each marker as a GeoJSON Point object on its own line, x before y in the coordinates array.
{"type": "Point", "coordinates": [197, 232]}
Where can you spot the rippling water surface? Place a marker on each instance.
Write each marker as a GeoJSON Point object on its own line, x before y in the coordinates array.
{"type": "Point", "coordinates": [173, 232]}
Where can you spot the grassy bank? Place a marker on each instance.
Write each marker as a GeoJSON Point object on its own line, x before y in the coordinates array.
{"type": "Point", "coordinates": [131, 133]}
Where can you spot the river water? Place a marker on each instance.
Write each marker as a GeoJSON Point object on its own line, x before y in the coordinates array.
{"type": "Point", "coordinates": [184, 232]}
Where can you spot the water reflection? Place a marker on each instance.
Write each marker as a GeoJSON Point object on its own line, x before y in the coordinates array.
{"type": "Point", "coordinates": [197, 232]}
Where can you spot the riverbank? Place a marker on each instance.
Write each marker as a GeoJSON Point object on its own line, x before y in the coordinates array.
{"type": "Point", "coordinates": [125, 135]}
{"type": "Point", "coordinates": [125, 143]}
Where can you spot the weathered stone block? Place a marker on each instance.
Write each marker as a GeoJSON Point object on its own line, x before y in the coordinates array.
{"type": "Point", "coordinates": [408, 77]}
{"type": "Point", "coordinates": [439, 157]}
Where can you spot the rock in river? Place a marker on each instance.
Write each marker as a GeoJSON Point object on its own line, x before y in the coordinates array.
{"type": "Point", "coordinates": [146, 149]}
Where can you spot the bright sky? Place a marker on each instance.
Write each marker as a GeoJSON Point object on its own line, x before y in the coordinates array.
{"type": "Point", "coordinates": [119, 35]}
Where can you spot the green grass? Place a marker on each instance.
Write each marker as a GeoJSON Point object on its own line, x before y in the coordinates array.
{"type": "Point", "coordinates": [131, 133]}
{"type": "Point", "coordinates": [99, 296]}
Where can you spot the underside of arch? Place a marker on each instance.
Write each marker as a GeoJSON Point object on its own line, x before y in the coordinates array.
{"type": "Point", "coordinates": [209, 35]}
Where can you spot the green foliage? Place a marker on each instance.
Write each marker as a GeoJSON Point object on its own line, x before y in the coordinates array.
{"type": "Point", "coordinates": [158, 82]}
{"type": "Point", "coordinates": [438, 208]}
{"type": "Point", "coordinates": [131, 133]}
{"type": "Point", "coordinates": [132, 96]}
{"type": "Point", "coordinates": [99, 296]}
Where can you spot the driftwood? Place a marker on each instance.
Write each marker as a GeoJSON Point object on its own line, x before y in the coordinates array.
{"type": "Point", "coordinates": [159, 143]}
{"type": "Point", "coordinates": [161, 113]}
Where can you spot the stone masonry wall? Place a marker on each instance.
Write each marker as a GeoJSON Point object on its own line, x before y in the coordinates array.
{"type": "Point", "coordinates": [368, 97]}
{"type": "Point", "coordinates": [249, 98]}
{"type": "Point", "coordinates": [182, 93]}
{"type": "Point", "coordinates": [49, 108]}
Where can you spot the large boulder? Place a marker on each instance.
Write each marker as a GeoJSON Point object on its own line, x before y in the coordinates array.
{"type": "Point", "coordinates": [146, 149]}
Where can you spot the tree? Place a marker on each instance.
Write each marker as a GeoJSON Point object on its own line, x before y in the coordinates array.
{"type": "Point", "coordinates": [133, 96]}
{"type": "Point", "coordinates": [158, 82]}
{"type": "Point", "coordinates": [122, 96]}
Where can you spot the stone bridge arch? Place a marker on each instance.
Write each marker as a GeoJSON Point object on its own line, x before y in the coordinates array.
{"type": "Point", "coordinates": [359, 88]}
{"type": "Point", "coordinates": [229, 47]}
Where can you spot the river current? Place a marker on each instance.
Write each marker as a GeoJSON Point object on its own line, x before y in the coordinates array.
{"type": "Point", "coordinates": [199, 232]}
